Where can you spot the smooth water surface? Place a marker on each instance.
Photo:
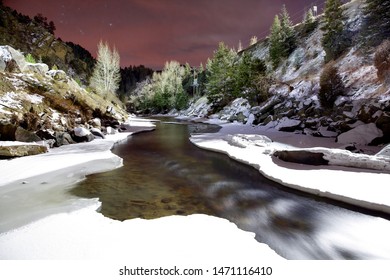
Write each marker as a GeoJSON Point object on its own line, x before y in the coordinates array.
{"type": "Point", "coordinates": [164, 174]}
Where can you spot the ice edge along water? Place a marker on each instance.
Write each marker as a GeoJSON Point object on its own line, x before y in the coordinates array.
{"type": "Point", "coordinates": [86, 234]}
{"type": "Point", "coordinates": [361, 187]}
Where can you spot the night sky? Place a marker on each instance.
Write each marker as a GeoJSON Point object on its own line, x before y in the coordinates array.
{"type": "Point", "coordinates": [150, 32]}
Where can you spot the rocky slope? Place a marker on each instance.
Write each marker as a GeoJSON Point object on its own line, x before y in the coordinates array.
{"type": "Point", "coordinates": [294, 104]}
{"type": "Point", "coordinates": [36, 37]}
{"type": "Point", "coordinates": [41, 104]}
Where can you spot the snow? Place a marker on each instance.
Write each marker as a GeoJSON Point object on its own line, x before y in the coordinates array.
{"type": "Point", "coordinates": [86, 234]}
{"type": "Point", "coordinates": [39, 219]}
{"type": "Point", "coordinates": [349, 178]}
{"type": "Point", "coordinates": [5, 55]}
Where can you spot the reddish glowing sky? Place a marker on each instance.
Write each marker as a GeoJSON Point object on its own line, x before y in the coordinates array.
{"type": "Point", "coordinates": [150, 32]}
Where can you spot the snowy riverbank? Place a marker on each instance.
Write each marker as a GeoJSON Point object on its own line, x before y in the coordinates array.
{"type": "Point", "coordinates": [349, 177]}
{"type": "Point", "coordinates": [39, 219]}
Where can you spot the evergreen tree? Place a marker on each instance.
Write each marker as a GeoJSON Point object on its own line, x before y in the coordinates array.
{"type": "Point", "coordinates": [309, 22]}
{"type": "Point", "coordinates": [287, 33]}
{"type": "Point", "coordinates": [275, 46]}
{"type": "Point", "coordinates": [282, 39]}
{"type": "Point", "coordinates": [220, 80]}
{"type": "Point", "coordinates": [376, 21]}
{"type": "Point", "coordinates": [333, 40]}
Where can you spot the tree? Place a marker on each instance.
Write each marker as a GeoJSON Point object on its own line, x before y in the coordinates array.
{"type": "Point", "coordinates": [282, 39]}
{"type": "Point", "coordinates": [376, 21]}
{"type": "Point", "coordinates": [331, 86]}
{"type": "Point", "coordinates": [106, 73]}
{"type": "Point", "coordinates": [168, 87]}
{"type": "Point", "coordinates": [333, 40]}
{"type": "Point", "coordinates": [309, 22]}
{"type": "Point", "coordinates": [276, 44]}
{"type": "Point", "coordinates": [220, 76]}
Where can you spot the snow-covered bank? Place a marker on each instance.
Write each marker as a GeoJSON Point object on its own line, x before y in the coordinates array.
{"type": "Point", "coordinates": [86, 234]}
{"type": "Point", "coordinates": [362, 187]}
{"type": "Point", "coordinates": [39, 219]}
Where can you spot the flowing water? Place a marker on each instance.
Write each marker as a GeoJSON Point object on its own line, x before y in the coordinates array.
{"type": "Point", "coordinates": [164, 174]}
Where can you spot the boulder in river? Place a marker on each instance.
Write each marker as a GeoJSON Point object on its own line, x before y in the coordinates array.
{"type": "Point", "coordinates": [363, 134]}
{"type": "Point", "coordinates": [81, 134]}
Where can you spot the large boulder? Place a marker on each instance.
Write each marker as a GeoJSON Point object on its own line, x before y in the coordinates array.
{"type": "Point", "coordinates": [81, 134]}
{"type": "Point", "coordinates": [23, 135]}
{"type": "Point", "coordinates": [363, 134]}
{"type": "Point", "coordinates": [18, 149]}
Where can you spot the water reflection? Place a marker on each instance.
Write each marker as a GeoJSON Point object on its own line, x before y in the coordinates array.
{"type": "Point", "coordinates": [164, 174]}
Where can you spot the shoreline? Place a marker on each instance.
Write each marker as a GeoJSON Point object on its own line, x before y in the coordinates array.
{"type": "Point", "coordinates": [355, 186]}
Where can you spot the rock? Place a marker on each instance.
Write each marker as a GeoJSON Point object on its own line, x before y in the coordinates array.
{"type": "Point", "coordinates": [7, 131]}
{"type": "Point", "coordinates": [81, 134]}
{"type": "Point", "coordinates": [362, 134]}
{"type": "Point", "coordinates": [63, 138]}
{"type": "Point", "coordinates": [288, 125]}
{"type": "Point", "coordinates": [46, 134]}
{"type": "Point", "coordinates": [37, 68]}
{"type": "Point", "coordinates": [302, 157]}
{"type": "Point", "coordinates": [8, 56]}
{"type": "Point", "coordinates": [110, 130]}
{"type": "Point", "coordinates": [383, 123]}
{"type": "Point", "coordinates": [11, 149]}
{"type": "Point", "coordinates": [97, 133]}
{"type": "Point", "coordinates": [57, 75]}
{"type": "Point", "coordinates": [96, 122]}
{"type": "Point", "coordinates": [23, 135]}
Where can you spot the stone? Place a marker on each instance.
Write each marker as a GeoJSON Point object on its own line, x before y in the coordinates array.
{"type": "Point", "coordinates": [37, 68]}
{"type": "Point", "coordinates": [96, 122]}
{"type": "Point", "coordinates": [288, 125]}
{"type": "Point", "coordinates": [19, 150]}
{"type": "Point", "coordinates": [110, 130]}
{"type": "Point", "coordinates": [9, 55]}
{"type": "Point", "coordinates": [362, 134]}
{"type": "Point", "coordinates": [302, 157]}
{"type": "Point", "coordinates": [7, 131]}
{"type": "Point", "coordinates": [23, 135]}
{"type": "Point", "coordinates": [57, 75]}
{"type": "Point", "coordinates": [63, 138]}
{"type": "Point", "coordinates": [81, 134]}
{"type": "Point", "coordinates": [97, 133]}
{"type": "Point", "coordinates": [46, 134]}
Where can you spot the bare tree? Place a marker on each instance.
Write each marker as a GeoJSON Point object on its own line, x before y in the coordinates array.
{"type": "Point", "coordinates": [106, 74]}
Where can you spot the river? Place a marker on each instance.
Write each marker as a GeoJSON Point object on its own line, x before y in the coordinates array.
{"type": "Point", "coordinates": [164, 174]}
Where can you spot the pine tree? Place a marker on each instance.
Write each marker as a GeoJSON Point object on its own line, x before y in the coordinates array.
{"type": "Point", "coordinates": [275, 46]}
{"type": "Point", "coordinates": [220, 70]}
{"type": "Point", "coordinates": [309, 21]}
{"type": "Point", "coordinates": [106, 74]}
{"type": "Point", "coordinates": [287, 32]}
{"type": "Point", "coordinates": [333, 40]}
{"type": "Point", "coordinates": [282, 39]}
{"type": "Point", "coordinates": [376, 21]}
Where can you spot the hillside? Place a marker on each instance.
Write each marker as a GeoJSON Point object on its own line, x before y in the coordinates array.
{"type": "Point", "coordinates": [36, 37]}
{"type": "Point", "coordinates": [294, 105]}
